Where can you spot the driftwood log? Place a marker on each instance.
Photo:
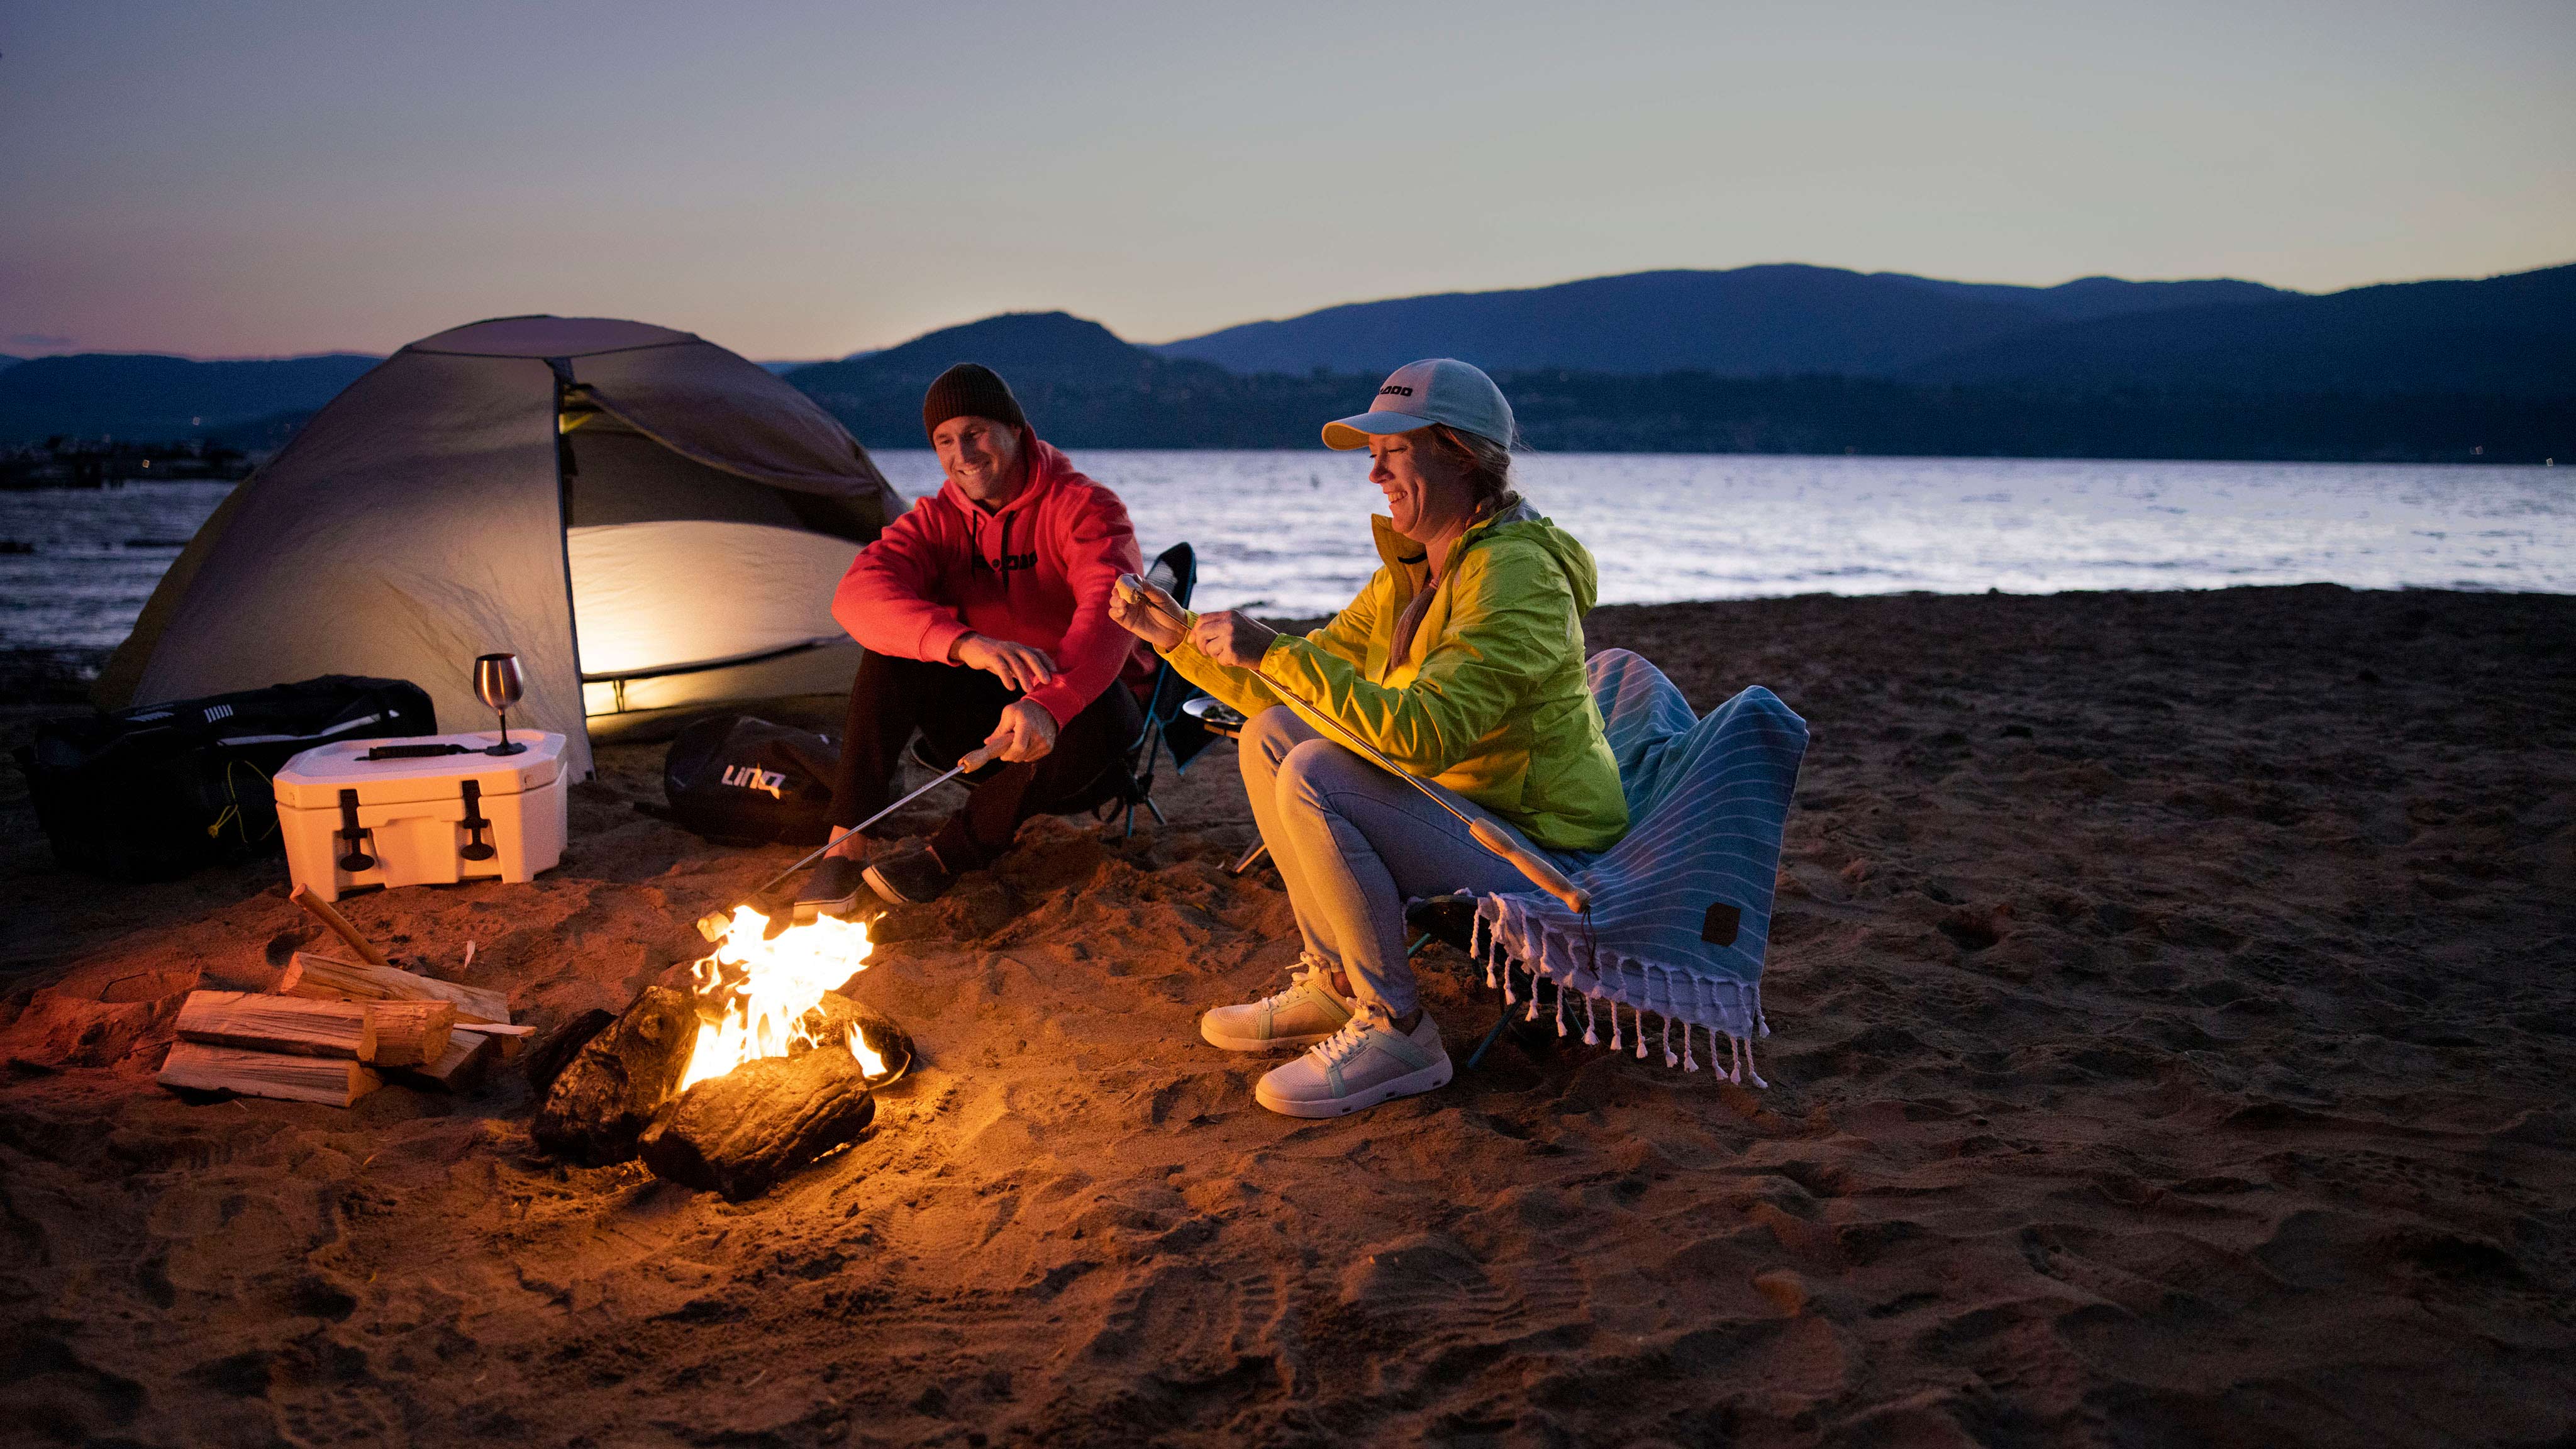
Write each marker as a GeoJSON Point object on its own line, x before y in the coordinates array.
{"type": "Point", "coordinates": [740, 1133]}
{"type": "Point", "coordinates": [328, 978]}
{"type": "Point", "coordinates": [554, 1051]}
{"type": "Point", "coordinates": [198, 1067]}
{"type": "Point", "coordinates": [608, 1094]}
{"type": "Point", "coordinates": [831, 1019]}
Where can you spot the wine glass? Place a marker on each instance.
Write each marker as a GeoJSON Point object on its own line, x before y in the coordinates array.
{"type": "Point", "coordinates": [497, 684]}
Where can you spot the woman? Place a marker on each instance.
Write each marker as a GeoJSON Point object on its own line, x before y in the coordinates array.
{"type": "Point", "coordinates": [1462, 662]}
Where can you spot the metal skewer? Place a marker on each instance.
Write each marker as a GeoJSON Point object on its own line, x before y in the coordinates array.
{"type": "Point", "coordinates": [715, 924]}
{"type": "Point", "coordinates": [1541, 871]}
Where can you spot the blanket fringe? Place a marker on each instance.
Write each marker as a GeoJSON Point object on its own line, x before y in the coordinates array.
{"type": "Point", "coordinates": [1507, 937]}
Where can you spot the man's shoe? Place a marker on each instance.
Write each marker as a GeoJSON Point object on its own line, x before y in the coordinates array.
{"type": "Point", "coordinates": [910, 877]}
{"type": "Point", "coordinates": [1304, 1014]}
{"type": "Point", "coordinates": [1363, 1064]}
{"type": "Point", "coordinates": [831, 888]}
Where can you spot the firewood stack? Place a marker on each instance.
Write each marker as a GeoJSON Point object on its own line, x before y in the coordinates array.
{"type": "Point", "coordinates": [334, 1028]}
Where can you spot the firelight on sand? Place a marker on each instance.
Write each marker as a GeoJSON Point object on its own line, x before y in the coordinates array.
{"type": "Point", "coordinates": [765, 988]}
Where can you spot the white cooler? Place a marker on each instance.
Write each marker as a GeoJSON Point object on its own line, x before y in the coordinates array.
{"type": "Point", "coordinates": [427, 810]}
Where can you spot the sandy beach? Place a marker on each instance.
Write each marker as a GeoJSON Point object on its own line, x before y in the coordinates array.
{"type": "Point", "coordinates": [2174, 1000]}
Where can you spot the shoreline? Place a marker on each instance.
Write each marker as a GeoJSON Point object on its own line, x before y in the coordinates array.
{"type": "Point", "coordinates": [2171, 1031]}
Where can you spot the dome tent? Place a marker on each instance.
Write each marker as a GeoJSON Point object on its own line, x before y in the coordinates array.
{"type": "Point", "coordinates": [647, 520]}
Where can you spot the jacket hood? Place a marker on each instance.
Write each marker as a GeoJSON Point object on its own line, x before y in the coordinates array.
{"type": "Point", "coordinates": [1519, 524]}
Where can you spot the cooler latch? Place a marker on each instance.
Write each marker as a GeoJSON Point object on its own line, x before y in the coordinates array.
{"type": "Point", "coordinates": [356, 860]}
{"type": "Point", "coordinates": [475, 824]}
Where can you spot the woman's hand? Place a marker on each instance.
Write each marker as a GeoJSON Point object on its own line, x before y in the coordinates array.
{"type": "Point", "coordinates": [1017, 665]}
{"type": "Point", "coordinates": [1233, 638]}
{"type": "Point", "coordinates": [1025, 732]}
{"type": "Point", "coordinates": [1146, 612]}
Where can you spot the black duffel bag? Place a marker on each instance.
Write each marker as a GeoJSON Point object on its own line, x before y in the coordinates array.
{"type": "Point", "coordinates": [159, 790]}
{"type": "Point", "coordinates": [738, 780]}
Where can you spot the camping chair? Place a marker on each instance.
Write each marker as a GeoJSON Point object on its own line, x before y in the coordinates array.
{"type": "Point", "coordinates": [1175, 572]}
{"type": "Point", "coordinates": [1681, 906]}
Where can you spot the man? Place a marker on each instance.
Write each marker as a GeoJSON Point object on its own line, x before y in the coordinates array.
{"type": "Point", "coordinates": [985, 614]}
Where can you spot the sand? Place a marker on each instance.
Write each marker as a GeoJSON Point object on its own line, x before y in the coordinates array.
{"type": "Point", "coordinates": [2173, 999]}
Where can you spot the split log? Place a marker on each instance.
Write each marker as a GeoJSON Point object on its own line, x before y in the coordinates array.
{"type": "Point", "coordinates": [198, 1067]}
{"type": "Point", "coordinates": [548, 1058]}
{"type": "Point", "coordinates": [285, 1024]}
{"type": "Point", "coordinates": [834, 1015]}
{"type": "Point", "coordinates": [403, 1033]}
{"type": "Point", "coordinates": [740, 1133]}
{"type": "Point", "coordinates": [327, 978]}
{"type": "Point", "coordinates": [608, 1094]}
{"type": "Point", "coordinates": [461, 1067]}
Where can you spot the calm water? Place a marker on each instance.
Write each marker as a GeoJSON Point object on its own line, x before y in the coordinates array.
{"type": "Point", "coordinates": [1288, 531]}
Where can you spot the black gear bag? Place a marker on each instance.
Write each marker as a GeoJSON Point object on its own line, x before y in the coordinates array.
{"type": "Point", "coordinates": [159, 790]}
{"type": "Point", "coordinates": [738, 780]}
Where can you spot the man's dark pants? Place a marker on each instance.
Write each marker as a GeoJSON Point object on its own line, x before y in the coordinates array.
{"type": "Point", "coordinates": [954, 708]}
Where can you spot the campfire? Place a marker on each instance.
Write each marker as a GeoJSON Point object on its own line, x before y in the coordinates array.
{"type": "Point", "coordinates": [760, 998]}
{"type": "Point", "coordinates": [759, 1069]}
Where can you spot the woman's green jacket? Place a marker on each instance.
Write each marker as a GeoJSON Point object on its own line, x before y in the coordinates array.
{"type": "Point", "coordinates": [1490, 699]}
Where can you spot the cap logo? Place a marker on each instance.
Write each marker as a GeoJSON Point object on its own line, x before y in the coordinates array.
{"type": "Point", "coordinates": [1393, 388]}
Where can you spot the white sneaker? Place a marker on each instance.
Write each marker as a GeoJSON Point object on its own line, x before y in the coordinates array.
{"type": "Point", "coordinates": [1304, 1014]}
{"type": "Point", "coordinates": [1363, 1064]}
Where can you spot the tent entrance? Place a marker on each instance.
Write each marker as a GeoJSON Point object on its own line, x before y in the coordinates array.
{"type": "Point", "coordinates": [692, 585]}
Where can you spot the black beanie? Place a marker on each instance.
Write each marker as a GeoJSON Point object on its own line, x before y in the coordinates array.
{"type": "Point", "coordinates": [970, 389]}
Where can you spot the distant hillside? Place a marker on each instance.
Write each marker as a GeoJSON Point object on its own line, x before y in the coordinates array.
{"type": "Point", "coordinates": [1765, 321]}
{"type": "Point", "coordinates": [2510, 335]}
{"type": "Point", "coordinates": [1080, 385]}
{"type": "Point", "coordinates": [140, 396]}
{"type": "Point", "coordinates": [9, 362]}
{"type": "Point", "coordinates": [1083, 388]}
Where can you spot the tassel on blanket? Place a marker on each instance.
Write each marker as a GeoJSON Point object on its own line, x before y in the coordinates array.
{"type": "Point", "coordinates": [1734, 1060]}
{"type": "Point", "coordinates": [1614, 1024]}
{"type": "Point", "coordinates": [1508, 998]}
{"type": "Point", "coordinates": [1641, 1033]}
{"type": "Point", "coordinates": [1751, 1075]}
{"type": "Point", "coordinates": [1591, 1037]}
{"type": "Point", "coordinates": [1560, 1008]}
{"type": "Point", "coordinates": [1480, 947]}
{"type": "Point", "coordinates": [1669, 1059]}
{"type": "Point", "coordinates": [1532, 1013]}
{"type": "Point", "coordinates": [1691, 1063]}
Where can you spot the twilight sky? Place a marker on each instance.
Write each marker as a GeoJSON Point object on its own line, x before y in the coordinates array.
{"type": "Point", "coordinates": [809, 177]}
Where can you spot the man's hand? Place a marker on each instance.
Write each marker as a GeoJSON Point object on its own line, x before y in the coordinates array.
{"type": "Point", "coordinates": [1233, 638]}
{"type": "Point", "coordinates": [1017, 665]}
{"type": "Point", "coordinates": [1143, 615]}
{"type": "Point", "coordinates": [1026, 732]}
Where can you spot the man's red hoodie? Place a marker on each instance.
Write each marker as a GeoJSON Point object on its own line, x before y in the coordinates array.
{"type": "Point", "coordinates": [1038, 571]}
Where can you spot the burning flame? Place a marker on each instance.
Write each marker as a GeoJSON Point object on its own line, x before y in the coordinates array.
{"type": "Point", "coordinates": [871, 1065]}
{"type": "Point", "coordinates": [765, 989]}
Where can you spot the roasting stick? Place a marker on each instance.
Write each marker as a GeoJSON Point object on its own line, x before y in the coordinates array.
{"type": "Point", "coordinates": [1541, 871]}
{"type": "Point", "coordinates": [714, 924]}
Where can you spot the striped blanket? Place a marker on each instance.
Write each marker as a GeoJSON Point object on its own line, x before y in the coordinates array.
{"type": "Point", "coordinates": [1681, 906]}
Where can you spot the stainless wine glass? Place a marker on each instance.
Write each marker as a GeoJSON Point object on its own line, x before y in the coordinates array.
{"type": "Point", "coordinates": [497, 684]}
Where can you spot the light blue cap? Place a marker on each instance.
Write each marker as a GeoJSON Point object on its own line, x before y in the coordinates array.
{"type": "Point", "coordinates": [1418, 394]}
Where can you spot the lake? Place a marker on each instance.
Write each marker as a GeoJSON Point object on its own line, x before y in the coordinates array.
{"type": "Point", "coordinates": [1287, 532]}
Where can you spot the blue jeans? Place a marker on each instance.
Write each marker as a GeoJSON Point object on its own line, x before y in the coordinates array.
{"type": "Point", "coordinates": [1354, 843]}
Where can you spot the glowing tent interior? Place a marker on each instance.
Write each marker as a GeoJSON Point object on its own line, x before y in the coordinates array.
{"type": "Point", "coordinates": [647, 520]}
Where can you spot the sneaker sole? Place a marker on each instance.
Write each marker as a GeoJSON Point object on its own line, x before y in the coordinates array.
{"type": "Point", "coordinates": [807, 911]}
{"type": "Point", "coordinates": [1411, 1084]}
{"type": "Point", "coordinates": [1258, 1043]}
{"type": "Point", "coordinates": [888, 893]}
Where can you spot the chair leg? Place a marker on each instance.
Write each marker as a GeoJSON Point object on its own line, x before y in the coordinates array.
{"type": "Point", "coordinates": [1157, 809]}
{"type": "Point", "coordinates": [1250, 859]}
{"type": "Point", "coordinates": [1479, 1054]}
